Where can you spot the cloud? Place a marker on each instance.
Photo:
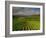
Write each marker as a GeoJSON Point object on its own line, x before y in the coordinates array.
{"type": "Point", "coordinates": [25, 11]}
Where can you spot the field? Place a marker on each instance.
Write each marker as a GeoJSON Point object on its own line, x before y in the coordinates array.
{"type": "Point", "coordinates": [21, 23]}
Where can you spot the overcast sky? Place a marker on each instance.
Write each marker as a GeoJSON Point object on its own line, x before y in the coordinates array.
{"type": "Point", "coordinates": [25, 11]}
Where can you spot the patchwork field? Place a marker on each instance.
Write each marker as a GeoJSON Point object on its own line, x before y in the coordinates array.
{"type": "Point", "coordinates": [26, 23]}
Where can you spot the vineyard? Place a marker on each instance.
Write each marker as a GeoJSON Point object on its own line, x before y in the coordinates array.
{"type": "Point", "coordinates": [21, 23]}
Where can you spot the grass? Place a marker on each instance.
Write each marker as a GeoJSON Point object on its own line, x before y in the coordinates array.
{"type": "Point", "coordinates": [26, 23]}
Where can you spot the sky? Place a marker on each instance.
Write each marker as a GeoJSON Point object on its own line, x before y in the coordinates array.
{"type": "Point", "coordinates": [25, 10]}
{"type": "Point", "coordinates": [35, 9]}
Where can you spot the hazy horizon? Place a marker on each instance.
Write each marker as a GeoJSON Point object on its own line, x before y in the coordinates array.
{"type": "Point", "coordinates": [25, 11]}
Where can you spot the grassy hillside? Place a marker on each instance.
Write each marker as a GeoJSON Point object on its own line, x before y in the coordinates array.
{"type": "Point", "coordinates": [26, 23]}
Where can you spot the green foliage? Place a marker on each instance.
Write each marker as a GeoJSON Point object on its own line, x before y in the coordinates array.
{"type": "Point", "coordinates": [26, 23]}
